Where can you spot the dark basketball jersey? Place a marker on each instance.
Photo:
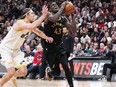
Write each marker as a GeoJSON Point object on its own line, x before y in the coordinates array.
{"type": "Point", "coordinates": [54, 30]}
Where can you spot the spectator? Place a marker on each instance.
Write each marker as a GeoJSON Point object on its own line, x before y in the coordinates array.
{"type": "Point", "coordinates": [29, 55]}
{"type": "Point", "coordinates": [36, 64]}
{"type": "Point", "coordinates": [86, 48]}
{"type": "Point", "coordinates": [28, 51]}
{"type": "Point", "coordinates": [111, 54]}
{"type": "Point", "coordinates": [94, 50]}
{"type": "Point", "coordinates": [85, 38]}
{"type": "Point", "coordinates": [78, 51]}
{"type": "Point", "coordinates": [102, 51]}
{"type": "Point", "coordinates": [76, 40]}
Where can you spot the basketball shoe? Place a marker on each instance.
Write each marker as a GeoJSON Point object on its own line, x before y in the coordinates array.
{"type": "Point", "coordinates": [48, 74]}
{"type": "Point", "coordinates": [14, 81]}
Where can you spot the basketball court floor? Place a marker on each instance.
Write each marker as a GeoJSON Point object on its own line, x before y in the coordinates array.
{"type": "Point", "coordinates": [61, 83]}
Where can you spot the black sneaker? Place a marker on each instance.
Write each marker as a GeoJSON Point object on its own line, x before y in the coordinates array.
{"type": "Point", "coordinates": [42, 78]}
{"type": "Point", "coordinates": [73, 78]}
{"type": "Point", "coordinates": [48, 75]}
{"type": "Point", "coordinates": [72, 85]}
{"type": "Point", "coordinates": [103, 78]}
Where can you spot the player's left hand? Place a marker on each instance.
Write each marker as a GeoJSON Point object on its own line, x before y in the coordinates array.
{"type": "Point", "coordinates": [49, 39]}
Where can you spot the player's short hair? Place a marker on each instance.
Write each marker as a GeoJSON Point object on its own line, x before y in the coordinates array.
{"type": "Point", "coordinates": [49, 4]}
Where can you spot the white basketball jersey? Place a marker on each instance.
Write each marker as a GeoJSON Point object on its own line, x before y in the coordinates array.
{"type": "Point", "coordinates": [15, 39]}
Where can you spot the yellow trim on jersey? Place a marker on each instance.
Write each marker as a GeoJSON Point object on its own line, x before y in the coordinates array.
{"type": "Point", "coordinates": [10, 63]}
{"type": "Point", "coordinates": [21, 20]}
{"type": "Point", "coordinates": [20, 66]}
{"type": "Point", "coordinates": [21, 30]}
{"type": "Point", "coordinates": [30, 31]}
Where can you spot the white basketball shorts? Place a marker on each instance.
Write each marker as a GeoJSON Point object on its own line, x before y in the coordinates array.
{"type": "Point", "coordinates": [11, 58]}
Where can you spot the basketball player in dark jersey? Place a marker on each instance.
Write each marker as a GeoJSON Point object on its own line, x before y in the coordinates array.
{"type": "Point", "coordinates": [55, 52]}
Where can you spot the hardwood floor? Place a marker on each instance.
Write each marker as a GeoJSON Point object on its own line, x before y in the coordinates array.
{"type": "Point", "coordinates": [61, 83]}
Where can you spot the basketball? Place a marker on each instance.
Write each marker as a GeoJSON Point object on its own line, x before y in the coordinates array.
{"type": "Point", "coordinates": [69, 8]}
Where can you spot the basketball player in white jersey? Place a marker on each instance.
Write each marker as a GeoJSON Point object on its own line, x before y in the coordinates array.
{"type": "Point", "coordinates": [10, 45]}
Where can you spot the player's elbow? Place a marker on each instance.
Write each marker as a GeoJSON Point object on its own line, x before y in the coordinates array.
{"type": "Point", "coordinates": [31, 27]}
{"type": "Point", "coordinates": [53, 19]}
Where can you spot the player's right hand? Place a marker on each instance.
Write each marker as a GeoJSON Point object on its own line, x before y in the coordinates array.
{"type": "Point", "coordinates": [44, 10]}
{"type": "Point", "coordinates": [63, 4]}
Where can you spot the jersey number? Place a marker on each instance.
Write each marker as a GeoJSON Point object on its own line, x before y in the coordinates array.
{"type": "Point", "coordinates": [58, 31]}
{"type": "Point", "coordinates": [25, 35]}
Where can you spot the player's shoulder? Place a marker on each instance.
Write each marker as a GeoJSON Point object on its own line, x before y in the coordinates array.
{"type": "Point", "coordinates": [20, 20]}
{"type": "Point", "coordinates": [47, 19]}
{"type": "Point", "coordinates": [49, 13]}
{"type": "Point", "coordinates": [17, 25]}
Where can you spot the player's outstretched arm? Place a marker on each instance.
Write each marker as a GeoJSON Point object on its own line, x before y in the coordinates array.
{"type": "Point", "coordinates": [42, 35]}
{"type": "Point", "coordinates": [35, 24]}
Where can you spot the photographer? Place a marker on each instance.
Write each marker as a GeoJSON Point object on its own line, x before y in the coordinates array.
{"type": "Point", "coordinates": [112, 55]}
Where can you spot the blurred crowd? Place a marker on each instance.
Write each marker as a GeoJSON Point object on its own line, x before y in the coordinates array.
{"type": "Point", "coordinates": [95, 25]}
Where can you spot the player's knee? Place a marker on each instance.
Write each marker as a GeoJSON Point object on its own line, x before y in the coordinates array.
{"type": "Point", "coordinates": [24, 72]}
{"type": "Point", "coordinates": [11, 71]}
